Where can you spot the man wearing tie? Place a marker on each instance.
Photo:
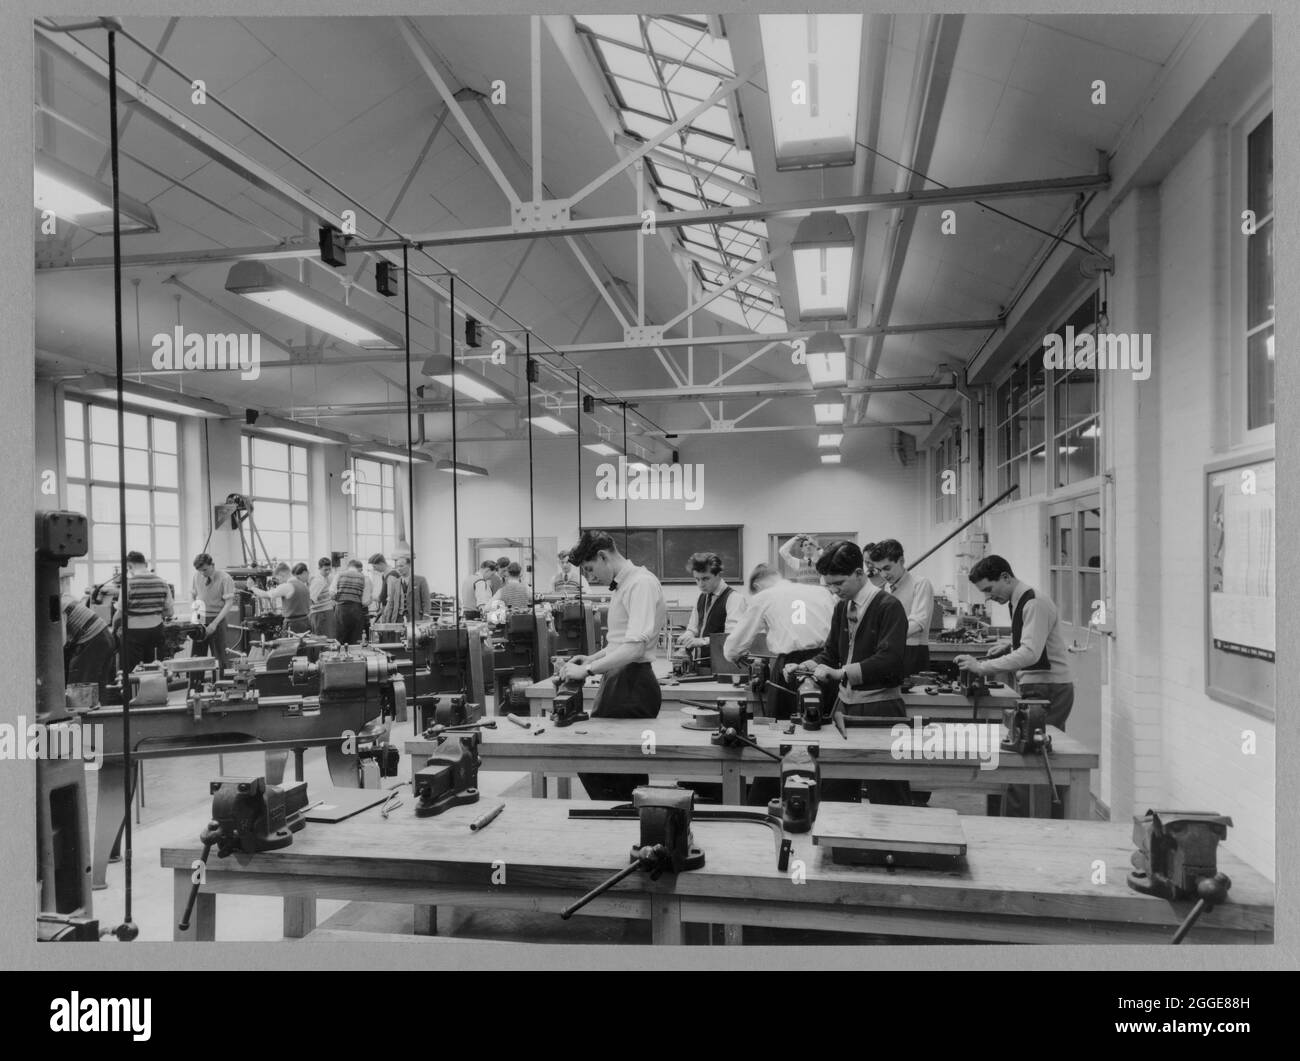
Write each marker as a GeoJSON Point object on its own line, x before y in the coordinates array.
{"type": "Point", "coordinates": [863, 656]}
{"type": "Point", "coordinates": [916, 596]}
{"type": "Point", "coordinates": [716, 610]}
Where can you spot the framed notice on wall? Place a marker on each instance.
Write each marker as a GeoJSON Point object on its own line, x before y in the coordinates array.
{"type": "Point", "coordinates": [1241, 582]}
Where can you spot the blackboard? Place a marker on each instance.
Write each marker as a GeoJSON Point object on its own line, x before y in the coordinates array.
{"type": "Point", "coordinates": [666, 550]}
{"type": "Point", "coordinates": [1241, 583]}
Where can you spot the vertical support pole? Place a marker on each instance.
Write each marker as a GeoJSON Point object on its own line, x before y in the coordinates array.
{"type": "Point", "coordinates": [535, 32]}
{"type": "Point", "coordinates": [639, 166]}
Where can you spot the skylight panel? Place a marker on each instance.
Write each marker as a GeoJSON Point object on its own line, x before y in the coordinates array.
{"type": "Point", "coordinates": [618, 27]}
{"type": "Point", "coordinates": [641, 97]}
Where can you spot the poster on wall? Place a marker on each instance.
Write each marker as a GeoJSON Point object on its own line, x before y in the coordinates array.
{"type": "Point", "coordinates": [1243, 557]}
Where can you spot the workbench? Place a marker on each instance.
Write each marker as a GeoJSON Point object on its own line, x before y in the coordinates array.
{"type": "Point", "coordinates": [1024, 881]}
{"type": "Point", "coordinates": [541, 695]}
{"type": "Point", "coordinates": [614, 746]}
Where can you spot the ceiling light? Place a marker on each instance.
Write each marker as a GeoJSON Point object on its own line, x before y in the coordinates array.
{"type": "Point", "coordinates": [441, 369]}
{"type": "Point", "coordinates": [392, 453]}
{"type": "Point", "coordinates": [827, 360]}
{"type": "Point", "coordinates": [140, 396]}
{"type": "Point", "coordinates": [604, 449]}
{"type": "Point", "coordinates": [261, 284]}
{"type": "Point", "coordinates": [829, 441]}
{"type": "Point", "coordinates": [553, 424]}
{"type": "Point", "coordinates": [822, 250]}
{"type": "Point", "coordinates": [1067, 450]}
{"type": "Point", "coordinates": [830, 458]}
{"type": "Point", "coordinates": [828, 407]}
{"type": "Point", "coordinates": [812, 66]}
{"type": "Point", "coordinates": [85, 202]}
{"type": "Point", "coordinates": [461, 468]}
{"type": "Point", "coordinates": [285, 428]}
{"type": "Point", "coordinates": [1091, 431]}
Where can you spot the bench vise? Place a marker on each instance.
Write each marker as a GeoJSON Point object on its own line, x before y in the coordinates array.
{"type": "Point", "coordinates": [1024, 731]}
{"type": "Point", "coordinates": [810, 704]}
{"type": "Point", "coordinates": [733, 725]}
{"type": "Point", "coordinates": [800, 788]}
{"type": "Point", "coordinates": [449, 777]}
{"type": "Point", "coordinates": [566, 708]}
{"type": "Point", "coordinates": [1177, 859]}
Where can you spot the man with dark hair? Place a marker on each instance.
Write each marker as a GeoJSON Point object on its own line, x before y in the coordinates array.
{"type": "Point", "coordinates": [350, 613]}
{"type": "Point", "coordinates": [294, 597]}
{"type": "Point", "coordinates": [499, 573]}
{"type": "Point", "coordinates": [1036, 656]}
{"type": "Point", "coordinates": [716, 609]}
{"type": "Point", "coordinates": [149, 603]}
{"type": "Point", "coordinates": [476, 591]}
{"type": "Point", "coordinates": [89, 647]}
{"type": "Point", "coordinates": [415, 592]}
{"type": "Point", "coordinates": [637, 611]}
{"type": "Point", "coordinates": [863, 656]}
{"type": "Point", "coordinates": [799, 555]}
{"type": "Point", "coordinates": [320, 596]}
{"type": "Point", "coordinates": [914, 594]}
{"type": "Point", "coordinates": [567, 580]}
{"type": "Point", "coordinates": [216, 590]}
{"type": "Point", "coordinates": [514, 592]}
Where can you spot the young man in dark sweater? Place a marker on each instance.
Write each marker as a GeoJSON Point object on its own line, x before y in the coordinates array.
{"type": "Point", "coordinates": [862, 658]}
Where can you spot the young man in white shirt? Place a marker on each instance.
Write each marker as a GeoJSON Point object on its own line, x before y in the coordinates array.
{"type": "Point", "coordinates": [637, 612]}
{"type": "Point", "coordinates": [916, 596]}
{"type": "Point", "coordinates": [716, 610]}
{"type": "Point", "coordinates": [800, 555]}
{"type": "Point", "coordinates": [1036, 657]}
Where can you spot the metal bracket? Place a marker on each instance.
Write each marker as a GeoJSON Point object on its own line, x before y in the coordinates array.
{"type": "Point", "coordinates": [644, 334]}
{"type": "Point", "coordinates": [540, 216]}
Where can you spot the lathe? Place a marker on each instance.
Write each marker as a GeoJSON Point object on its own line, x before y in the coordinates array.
{"type": "Point", "coordinates": [437, 659]}
{"type": "Point", "coordinates": [357, 690]}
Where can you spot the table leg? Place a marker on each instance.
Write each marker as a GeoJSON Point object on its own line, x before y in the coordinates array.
{"type": "Point", "coordinates": [298, 754]}
{"type": "Point", "coordinates": [539, 785]}
{"type": "Point", "coordinates": [733, 786]}
{"type": "Point", "coordinates": [299, 915]}
{"type": "Point", "coordinates": [733, 935]}
{"type": "Point", "coordinates": [426, 920]}
{"type": "Point", "coordinates": [343, 768]}
{"type": "Point", "coordinates": [665, 920]}
{"type": "Point", "coordinates": [563, 787]}
{"type": "Point", "coordinates": [1077, 797]}
{"type": "Point", "coordinates": [275, 763]}
{"type": "Point", "coordinates": [203, 919]}
{"type": "Point", "coordinates": [109, 819]}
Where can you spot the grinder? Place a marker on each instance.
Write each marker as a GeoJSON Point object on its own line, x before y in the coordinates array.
{"type": "Point", "coordinates": [249, 815]}
{"type": "Point", "coordinates": [1177, 859]}
{"type": "Point", "coordinates": [800, 788]}
{"type": "Point", "coordinates": [666, 844]}
{"type": "Point", "coordinates": [450, 775]}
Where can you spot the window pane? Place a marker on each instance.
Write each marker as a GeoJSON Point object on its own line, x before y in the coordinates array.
{"type": "Point", "coordinates": [76, 498]}
{"type": "Point", "coordinates": [1259, 276]}
{"type": "Point", "coordinates": [103, 504]}
{"type": "Point", "coordinates": [268, 454]}
{"type": "Point", "coordinates": [369, 522]}
{"type": "Point", "coordinates": [390, 528]}
{"type": "Point", "coordinates": [1259, 378]}
{"type": "Point", "coordinates": [164, 469]}
{"type": "Point", "coordinates": [270, 484]}
{"type": "Point", "coordinates": [72, 425]}
{"type": "Point", "coordinates": [1063, 536]}
{"type": "Point", "coordinates": [80, 578]}
{"type": "Point", "coordinates": [1090, 555]}
{"type": "Point", "coordinates": [299, 483]}
{"type": "Point", "coordinates": [103, 463]}
{"type": "Point", "coordinates": [299, 515]}
{"type": "Point", "coordinates": [137, 466]}
{"type": "Point", "coordinates": [1065, 598]}
{"type": "Point", "coordinates": [387, 474]}
{"type": "Point", "coordinates": [1259, 168]}
{"type": "Point", "coordinates": [164, 436]}
{"type": "Point", "coordinates": [244, 480]}
{"type": "Point", "coordinates": [278, 544]}
{"type": "Point", "coordinates": [137, 507]}
{"type": "Point", "coordinates": [102, 572]}
{"type": "Point", "coordinates": [1037, 473]}
{"type": "Point", "coordinates": [1090, 587]}
{"type": "Point", "coordinates": [300, 546]}
{"type": "Point", "coordinates": [76, 458]}
{"type": "Point", "coordinates": [103, 425]}
{"type": "Point", "coordinates": [139, 539]}
{"type": "Point", "coordinates": [1036, 417]}
{"type": "Point", "coordinates": [171, 574]}
{"type": "Point", "coordinates": [368, 496]}
{"type": "Point", "coordinates": [166, 543]}
{"type": "Point", "coordinates": [136, 429]}
{"type": "Point", "coordinates": [166, 508]}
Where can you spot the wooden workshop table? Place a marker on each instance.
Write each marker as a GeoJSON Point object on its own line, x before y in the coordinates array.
{"type": "Point", "coordinates": [615, 746]}
{"type": "Point", "coordinates": [1025, 880]}
{"type": "Point", "coordinates": [541, 695]}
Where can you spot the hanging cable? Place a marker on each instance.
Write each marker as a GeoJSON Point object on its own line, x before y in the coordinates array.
{"type": "Point", "coordinates": [578, 480]}
{"type": "Point", "coordinates": [126, 931]}
{"type": "Point", "coordinates": [529, 370]}
{"type": "Point", "coordinates": [455, 481]}
{"type": "Point", "coordinates": [625, 490]}
{"type": "Point", "coordinates": [410, 477]}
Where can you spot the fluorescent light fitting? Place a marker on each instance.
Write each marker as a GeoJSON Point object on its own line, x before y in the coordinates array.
{"type": "Point", "coordinates": [829, 441]}
{"type": "Point", "coordinates": [827, 359]}
{"type": "Point", "coordinates": [812, 64]}
{"type": "Point", "coordinates": [1091, 431]}
{"type": "Point", "coordinates": [822, 252]}
{"type": "Point", "coordinates": [392, 453]}
{"type": "Point", "coordinates": [140, 396]}
{"type": "Point", "coordinates": [461, 468]}
{"type": "Point", "coordinates": [285, 428]}
{"type": "Point", "coordinates": [85, 202]}
{"type": "Point", "coordinates": [830, 458]}
{"type": "Point", "coordinates": [828, 407]}
{"type": "Point", "coordinates": [1067, 450]}
{"type": "Point", "coordinates": [259, 283]}
{"type": "Point", "coordinates": [604, 449]}
{"type": "Point", "coordinates": [553, 424]}
{"type": "Point", "coordinates": [438, 367]}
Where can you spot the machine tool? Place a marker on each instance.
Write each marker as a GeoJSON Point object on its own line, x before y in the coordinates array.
{"type": "Point", "coordinates": [177, 632]}
{"type": "Point", "coordinates": [973, 685]}
{"type": "Point", "coordinates": [1024, 731]}
{"type": "Point", "coordinates": [1177, 859]}
{"type": "Point", "coordinates": [519, 652]}
{"type": "Point", "coordinates": [566, 708]}
{"type": "Point", "coordinates": [800, 788]}
{"type": "Point", "coordinates": [449, 777]}
{"type": "Point", "coordinates": [250, 816]}
{"type": "Point", "coordinates": [666, 844]}
{"type": "Point", "coordinates": [516, 698]}
{"type": "Point", "coordinates": [450, 711]}
{"type": "Point", "coordinates": [574, 626]}
{"type": "Point", "coordinates": [62, 828]}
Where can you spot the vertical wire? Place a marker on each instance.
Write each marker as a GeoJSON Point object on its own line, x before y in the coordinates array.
{"type": "Point", "coordinates": [532, 526]}
{"type": "Point", "coordinates": [625, 491]}
{"type": "Point", "coordinates": [455, 481]}
{"type": "Point", "coordinates": [578, 480]}
{"type": "Point", "coordinates": [410, 470]}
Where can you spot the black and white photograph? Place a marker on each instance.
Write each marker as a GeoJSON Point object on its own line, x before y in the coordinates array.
{"type": "Point", "coordinates": [762, 479]}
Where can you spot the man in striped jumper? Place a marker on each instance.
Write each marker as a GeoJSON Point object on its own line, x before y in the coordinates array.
{"type": "Point", "coordinates": [148, 604]}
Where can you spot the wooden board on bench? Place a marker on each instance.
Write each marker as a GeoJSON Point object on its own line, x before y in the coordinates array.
{"type": "Point", "coordinates": [879, 835]}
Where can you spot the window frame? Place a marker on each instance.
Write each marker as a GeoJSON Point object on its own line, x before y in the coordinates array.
{"type": "Point", "coordinates": [1243, 436]}
{"type": "Point", "coordinates": [247, 438]}
{"type": "Point", "coordinates": [388, 541]}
